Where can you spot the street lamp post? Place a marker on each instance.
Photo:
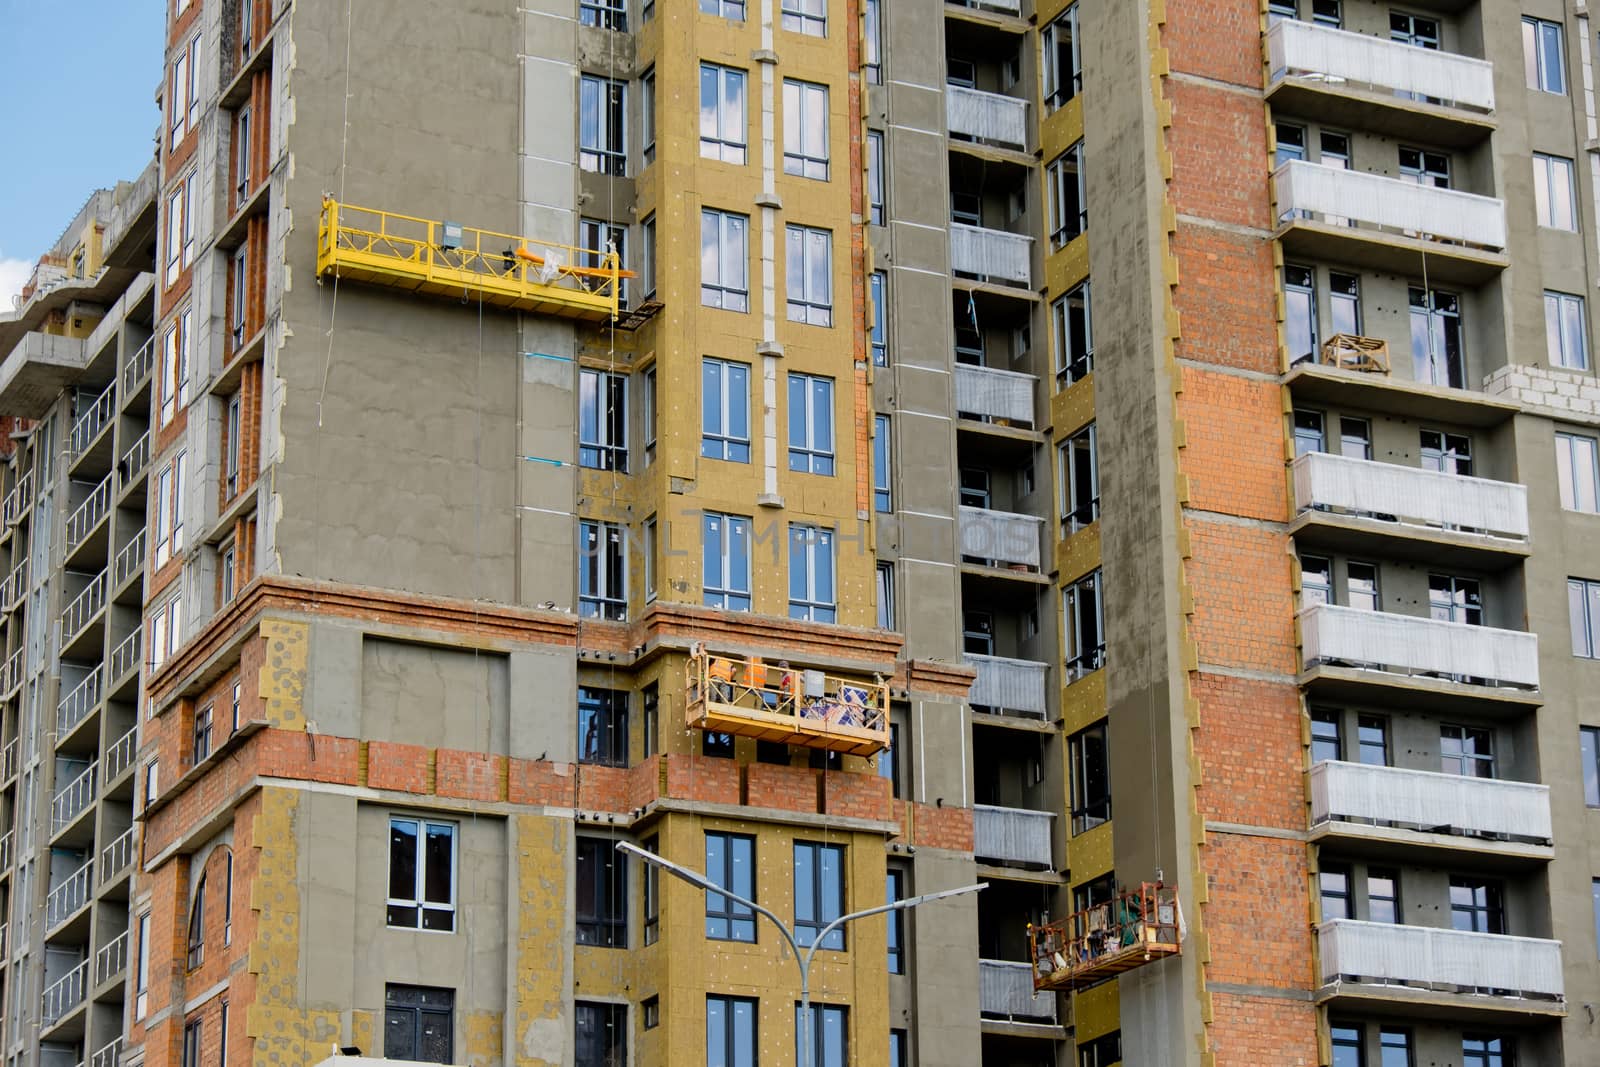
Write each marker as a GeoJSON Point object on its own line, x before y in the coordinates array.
{"type": "Point", "coordinates": [803, 961]}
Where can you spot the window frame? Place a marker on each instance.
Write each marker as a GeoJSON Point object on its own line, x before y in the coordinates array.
{"type": "Point", "coordinates": [1567, 472]}
{"type": "Point", "coordinates": [604, 14]}
{"type": "Point", "coordinates": [1077, 516]}
{"type": "Point", "coordinates": [608, 123]}
{"type": "Point", "coordinates": [602, 570]}
{"type": "Point", "coordinates": [729, 1027]}
{"type": "Point", "coordinates": [612, 1025]}
{"type": "Point", "coordinates": [872, 42]}
{"type": "Point", "coordinates": [602, 419]}
{"type": "Point", "coordinates": [730, 920]}
{"type": "Point", "coordinates": [241, 157]}
{"type": "Point", "coordinates": [728, 138]}
{"type": "Point", "coordinates": [818, 1027]}
{"type": "Point", "coordinates": [878, 300]}
{"type": "Point", "coordinates": [166, 627]}
{"type": "Point", "coordinates": [196, 931]}
{"type": "Point", "coordinates": [827, 902]}
{"type": "Point", "coordinates": [603, 715]}
{"type": "Point", "coordinates": [231, 445]}
{"type": "Point", "coordinates": [1072, 366]}
{"type": "Point", "coordinates": [177, 347]}
{"type": "Point", "coordinates": [1589, 757]}
{"type": "Point", "coordinates": [807, 17]}
{"type": "Point", "coordinates": [811, 443]}
{"type": "Point", "coordinates": [723, 443]}
{"type": "Point", "coordinates": [1058, 89]}
{"type": "Point", "coordinates": [1544, 73]}
{"type": "Point", "coordinates": [201, 732]}
{"type": "Point", "coordinates": [606, 926]}
{"type": "Point", "coordinates": [1081, 660]}
{"type": "Point", "coordinates": [729, 591]}
{"type": "Point", "coordinates": [806, 301]}
{"type": "Point", "coordinates": [813, 603]}
{"type": "Point", "coordinates": [1088, 809]}
{"type": "Point", "coordinates": [1065, 175]}
{"type": "Point", "coordinates": [1547, 169]}
{"type": "Point", "coordinates": [424, 830]}
{"type": "Point", "coordinates": [1567, 344]}
{"type": "Point", "coordinates": [877, 214]}
{"type": "Point", "coordinates": [882, 465]}
{"type": "Point", "coordinates": [731, 228]}
{"type": "Point", "coordinates": [396, 1008]}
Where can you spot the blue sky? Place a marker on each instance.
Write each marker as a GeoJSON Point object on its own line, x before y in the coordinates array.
{"type": "Point", "coordinates": [77, 112]}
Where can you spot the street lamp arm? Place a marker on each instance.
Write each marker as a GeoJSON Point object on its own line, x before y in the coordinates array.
{"type": "Point", "coordinates": [909, 902]}
{"type": "Point", "coordinates": [709, 886]}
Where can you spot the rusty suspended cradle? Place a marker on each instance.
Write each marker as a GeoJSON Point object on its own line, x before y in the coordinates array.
{"type": "Point", "coordinates": [1102, 941]}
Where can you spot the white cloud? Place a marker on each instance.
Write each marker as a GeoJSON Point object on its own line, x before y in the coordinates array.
{"type": "Point", "coordinates": [14, 274]}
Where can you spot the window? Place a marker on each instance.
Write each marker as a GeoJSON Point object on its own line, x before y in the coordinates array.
{"type": "Point", "coordinates": [899, 1048]}
{"type": "Point", "coordinates": [726, 577]}
{"type": "Point", "coordinates": [1068, 196]}
{"type": "Point", "coordinates": [1083, 626]}
{"type": "Point", "coordinates": [1327, 735]}
{"type": "Point", "coordinates": [607, 14]}
{"type": "Point", "coordinates": [1344, 299]}
{"type": "Point", "coordinates": [234, 720]}
{"type": "Point", "coordinates": [725, 410]}
{"type": "Point", "coordinates": [886, 612]}
{"type": "Point", "coordinates": [809, 272]}
{"type": "Point", "coordinates": [1452, 599]}
{"type": "Point", "coordinates": [1308, 432]}
{"type": "Point", "coordinates": [602, 125]}
{"type": "Point", "coordinates": [197, 925]}
{"type": "Point", "coordinates": [1372, 740]}
{"type": "Point", "coordinates": [230, 465]}
{"type": "Point", "coordinates": [1476, 905]}
{"type": "Point", "coordinates": [894, 884]}
{"type": "Point", "coordinates": [1542, 57]}
{"type": "Point", "coordinates": [174, 383]}
{"type": "Point", "coordinates": [810, 424]}
{"type": "Point", "coordinates": [602, 894]}
{"type": "Point", "coordinates": [418, 1023]}
{"type": "Point", "coordinates": [875, 177]}
{"type": "Point", "coordinates": [1583, 611]}
{"type": "Point", "coordinates": [1063, 60]}
{"type": "Point", "coordinates": [141, 969]}
{"type": "Point", "coordinates": [166, 628]}
{"type": "Point", "coordinates": [1394, 1047]}
{"type": "Point", "coordinates": [1091, 778]}
{"type": "Point", "coordinates": [1278, 10]}
{"type": "Point", "coordinates": [724, 260]}
{"type": "Point", "coordinates": [730, 864]}
{"type": "Point", "coordinates": [1578, 471]}
{"type": "Point", "coordinates": [1074, 338]}
{"type": "Point", "coordinates": [603, 420]}
{"type": "Point", "coordinates": [601, 1034]}
{"type": "Point", "coordinates": [1348, 1045]}
{"type": "Point", "coordinates": [1299, 312]}
{"type": "Point", "coordinates": [1289, 143]}
{"type": "Point", "coordinates": [647, 273]}
{"type": "Point", "coordinates": [827, 1031]}
{"type": "Point", "coordinates": [1565, 333]}
{"type": "Point", "coordinates": [881, 497]}
{"type": "Point", "coordinates": [872, 45]}
{"type": "Point", "coordinates": [651, 549]}
{"type": "Point", "coordinates": [1361, 586]}
{"type": "Point", "coordinates": [1334, 881]}
{"type": "Point", "coordinates": [1383, 895]}
{"type": "Point", "coordinates": [241, 157]}
{"type": "Point", "coordinates": [1447, 452]}
{"type": "Point", "coordinates": [1481, 1050]}
{"type": "Point", "coordinates": [818, 893]}
{"type": "Point", "coordinates": [724, 121]}
{"type": "Point", "coordinates": [602, 571]}
{"type": "Point", "coordinates": [879, 337]}
{"type": "Point", "coordinates": [1552, 192]}
{"type": "Point", "coordinates": [715, 745]}
{"type": "Point", "coordinates": [246, 25]}
{"type": "Point", "coordinates": [1414, 30]}
{"type": "Point", "coordinates": [1422, 167]}
{"type": "Point", "coordinates": [183, 93]}
{"type": "Point", "coordinates": [1466, 750]}
{"type": "Point", "coordinates": [1327, 13]}
{"type": "Point", "coordinates": [1594, 891]}
{"type": "Point", "coordinates": [152, 788]}
{"type": "Point", "coordinates": [1355, 438]}
{"type": "Point", "coordinates": [602, 726]}
{"type": "Point", "coordinates": [809, 17]}
{"type": "Point", "coordinates": [191, 1044]}
{"type": "Point", "coordinates": [1436, 348]}
{"type": "Point", "coordinates": [599, 239]}
{"type": "Point", "coordinates": [1102, 1051]}
{"type": "Point", "coordinates": [227, 900]}
{"type": "Point", "coordinates": [651, 873]}
{"type": "Point", "coordinates": [1080, 481]}
{"type": "Point", "coordinates": [805, 129]}
{"type": "Point", "coordinates": [728, 9]}
{"type": "Point", "coordinates": [422, 874]}
{"type": "Point", "coordinates": [811, 574]}
{"type": "Point", "coordinates": [1316, 581]}
{"type": "Point", "coordinates": [202, 734]}
{"type": "Point", "coordinates": [1589, 752]}
{"type": "Point", "coordinates": [222, 1034]}
{"type": "Point", "coordinates": [731, 1032]}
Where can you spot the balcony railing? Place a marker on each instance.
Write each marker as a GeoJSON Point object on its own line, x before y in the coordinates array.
{"type": "Point", "coordinates": [87, 515]}
{"type": "Point", "coordinates": [1009, 686]}
{"type": "Point", "coordinates": [1338, 57]}
{"type": "Point", "coordinates": [64, 994]}
{"type": "Point", "coordinates": [1409, 644]}
{"type": "Point", "coordinates": [136, 458]}
{"type": "Point", "coordinates": [129, 559]}
{"type": "Point", "coordinates": [69, 896]}
{"type": "Point", "coordinates": [1019, 835]}
{"type": "Point", "coordinates": [120, 755]}
{"type": "Point", "coordinates": [115, 857]}
{"type": "Point", "coordinates": [991, 393]}
{"type": "Point", "coordinates": [1433, 957]}
{"type": "Point", "coordinates": [7, 839]}
{"type": "Point", "coordinates": [19, 498]}
{"type": "Point", "coordinates": [125, 657]}
{"type": "Point", "coordinates": [9, 759]}
{"type": "Point", "coordinates": [78, 703]}
{"type": "Point", "coordinates": [111, 960]}
{"type": "Point", "coordinates": [1411, 495]}
{"type": "Point", "coordinates": [138, 368]}
{"type": "Point", "coordinates": [72, 799]}
{"type": "Point", "coordinates": [991, 254]}
{"type": "Point", "coordinates": [1006, 989]}
{"type": "Point", "coordinates": [14, 669]}
{"type": "Point", "coordinates": [93, 419]}
{"type": "Point", "coordinates": [17, 582]}
{"type": "Point", "coordinates": [108, 1055]}
{"type": "Point", "coordinates": [84, 607]}
{"type": "Point", "coordinates": [1001, 536]}
{"type": "Point", "coordinates": [988, 117]}
{"type": "Point", "coordinates": [1429, 800]}
{"type": "Point", "coordinates": [1390, 204]}
{"type": "Point", "coordinates": [751, 698]}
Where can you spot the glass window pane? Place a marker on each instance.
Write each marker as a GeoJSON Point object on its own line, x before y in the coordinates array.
{"type": "Point", "coordinates": [438, 864]}
{"type": "Point", "coordinates": [738, 401]}
{"type": "Point", "coordinates": [1577, 619]}
{"type": "Point", "coordinates": [402, 859]}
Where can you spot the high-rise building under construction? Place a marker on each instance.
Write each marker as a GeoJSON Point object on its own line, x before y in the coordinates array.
{"type": "Point", "coordinates": [1095, 444]}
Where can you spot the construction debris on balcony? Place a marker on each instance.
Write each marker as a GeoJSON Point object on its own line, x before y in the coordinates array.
{"type": "Point", "coordinates": [789, 705]}
{"type": "Point", "coordinates": [1347, 351]}
{"type": "Point", "coordinates": [1106, 939]}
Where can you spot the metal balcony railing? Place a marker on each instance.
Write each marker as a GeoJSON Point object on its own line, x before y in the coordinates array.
{"type": "Point", "coordinates": [136, 458]}
{"type": "Point", "coordinates": [991, 254]}
{"type": "Point", "coordinates": [129, 559]}
{"type": "Point", "coordinates": [138, 367]}
{"type": "Point", "coordinates": [1009, 686]}
{"type": "Point", "coordinates": [1006, 989]}
{"type": "Point", "coordinates": [991, 393]}
{"type": "Point", "coordinates": [1409, 644]}
{"type": "Point", "coordinates": [111, 960]}
{"type": "Point", "coordinates": [69, 896]}
{"type": "Point", "coordinates": [989, 117]}
{"type": "Point", "coordinates": [1019, 835]}
{"type": "Point", "coordinates": [17, 582]}
{"type": "Point", "coordinates": [1410, 495]}
{"type": "Point", "coordinates": [78, 703]}
{"type": "Point", "coordinates": [1434, 957]}
{"type": "Point", "coordinates": [14, 669]}
{"type": "Point", "coordinates": [1001, 536]}
{"type": "Point", "coordinates": [92, 420]}
{"type": "Point", "coordinates": [72, 799]}
{"type": "Point", "coordinates": [1390, 204]}
{"type": "Point", "coordinates": [120, 755]}
{"type": "Point", "coordinates": [125, 657]}
{"type": "Point", "coordinates": [19, 498]}
{"type": "Point", "coordinates": [108, 1055]}
{"type": "Point", "coordinates": [9, 759]}
{"type": "Point", "coordinates": [64, 994]}
{"type": "Point", "coordinates": [117, 855]}
{"type": "Point", "coordinates": [7, 840]}
{"type": "Point", "coordinates": [1429, 800]}
{"type": "Point", "coordinates": [87, 515]}
{"type": "Point", "coordinates": [1337, 57]}
{"type": "Point", "coordinates": [84, 607]}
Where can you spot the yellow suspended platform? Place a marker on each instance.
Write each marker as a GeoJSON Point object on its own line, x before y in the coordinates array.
{"type": "Point", "coordinates": [449, 260]}
{"type": "Point", "coordinates": [792, 706]}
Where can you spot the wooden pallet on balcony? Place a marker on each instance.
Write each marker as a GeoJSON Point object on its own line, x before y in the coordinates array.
{"type": "Point", "coordinates": [1350, 351]}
